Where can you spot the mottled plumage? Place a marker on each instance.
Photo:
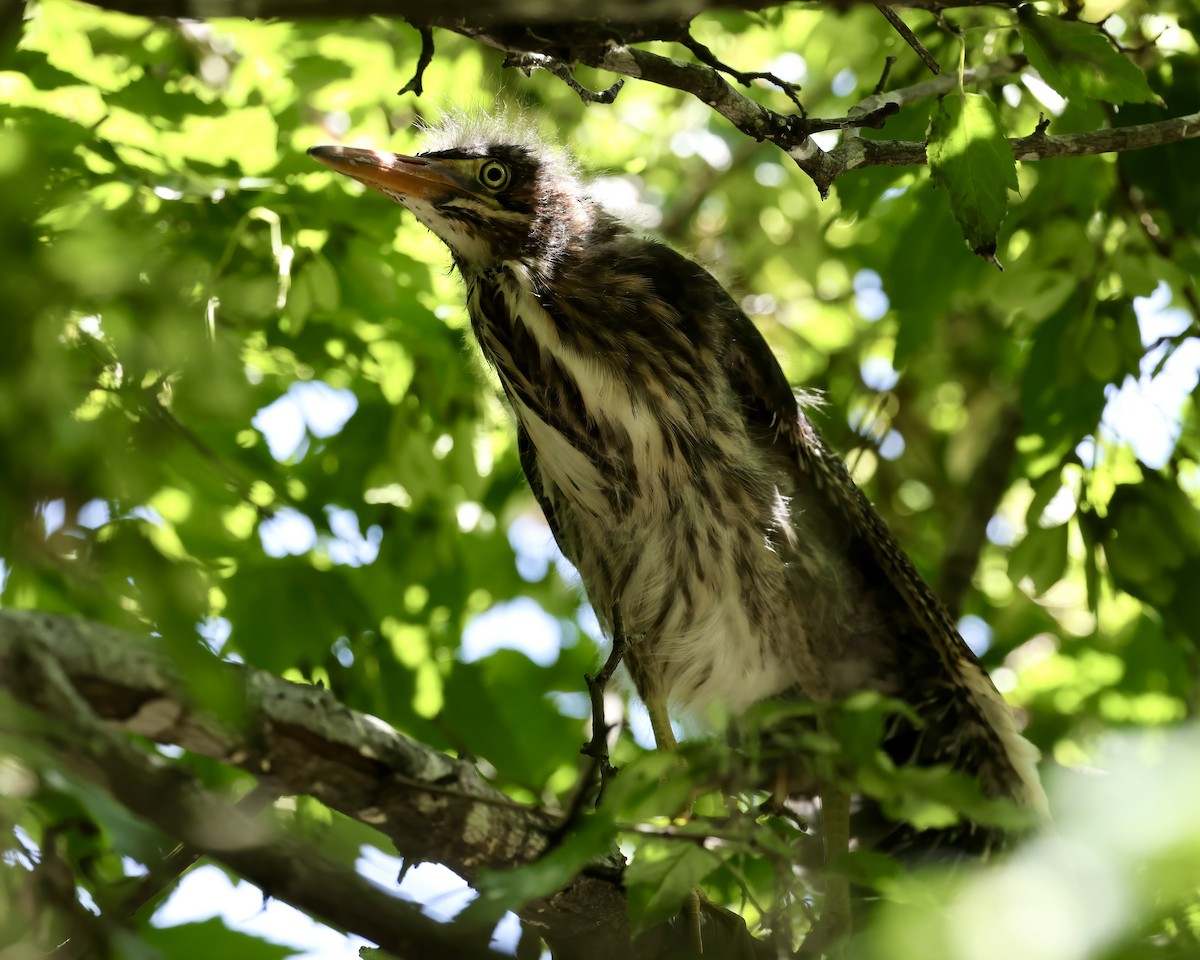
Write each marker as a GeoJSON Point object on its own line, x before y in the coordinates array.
{"type": "Point", "coordinates": [677, 470]}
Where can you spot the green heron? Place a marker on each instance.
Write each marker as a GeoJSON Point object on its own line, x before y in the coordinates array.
{"type": "Point", "coordinates": [678, 471]}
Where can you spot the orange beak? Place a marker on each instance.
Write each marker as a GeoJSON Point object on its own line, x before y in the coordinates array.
{"type": "Point", "coordinates": [391, 173]}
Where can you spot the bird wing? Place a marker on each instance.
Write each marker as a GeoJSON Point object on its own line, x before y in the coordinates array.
{"type": "Point", "coordinates": [528, 456]}
{"type": "Point", "coordinates": [769, 403]}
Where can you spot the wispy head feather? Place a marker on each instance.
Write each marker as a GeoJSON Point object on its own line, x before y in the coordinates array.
{"type": "Point", "coordinates": [469, 129]}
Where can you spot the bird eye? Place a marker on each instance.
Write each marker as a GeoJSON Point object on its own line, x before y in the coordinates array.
{"type": "Point", "coordinates": [494, 175]}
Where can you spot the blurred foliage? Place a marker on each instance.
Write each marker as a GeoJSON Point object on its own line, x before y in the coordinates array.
{"type": "Point", "coordinates": [236, 409]}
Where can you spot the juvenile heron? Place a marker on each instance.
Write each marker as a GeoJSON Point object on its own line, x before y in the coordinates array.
{"type": "Point", "coordinates": [677, 470]}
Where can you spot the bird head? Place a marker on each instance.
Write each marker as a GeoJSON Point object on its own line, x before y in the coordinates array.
{"type": "Point", "coordinates": [487, 199]}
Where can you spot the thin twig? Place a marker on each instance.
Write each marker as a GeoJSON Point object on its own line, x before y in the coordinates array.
{"type": "Point", "coordinates": [910, 38]}
{"type": "Point", "coordinates": [603, 19]}
{"type": "Point", "coordinates": [903, 96]}
{"type": "Point", "coordinates": [600, 767]}
{"type": "Point", "coordinates": [883, 77]}
{"type": "Point", "coordinates": [528, 62]}
{"type": "Point", "coordinates": [597, 747]}
{"type": "Point", "coordinates": [415, 85]}
{"type": "Point", "coordinates": [745, 78]}
{"type": "Point", "coordinates": [791, 133]}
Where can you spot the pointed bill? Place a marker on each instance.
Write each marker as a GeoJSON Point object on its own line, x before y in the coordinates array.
{"type": "Point", "coordinates": [391, 173]}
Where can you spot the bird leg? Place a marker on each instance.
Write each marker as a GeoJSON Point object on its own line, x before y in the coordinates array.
{"type": "Point", "coordinates": [834, 924]}
{"type": "Point", "coordinates": [664, 739]}
{"type": "Point", "coordinates": [660, 722]}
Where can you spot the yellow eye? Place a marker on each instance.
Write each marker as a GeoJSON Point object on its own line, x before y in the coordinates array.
{"type": "Point", "coordinates": [494, 175]}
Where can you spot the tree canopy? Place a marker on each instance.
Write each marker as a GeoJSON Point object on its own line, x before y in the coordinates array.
{"type": "Point", "coordinates": [248, 450]}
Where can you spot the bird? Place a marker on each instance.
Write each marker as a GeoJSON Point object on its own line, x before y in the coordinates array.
{"type": "Point", "coordinates": [677, 468]}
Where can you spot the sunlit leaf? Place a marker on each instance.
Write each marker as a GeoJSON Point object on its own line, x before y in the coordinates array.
{"type": "Point", "coordinates": [193, 941]}
{"type": "Point", "coordinates": [1041, 555]}
{"type": "Point", "coordinates": [970, 156]}
{"type": "Point", "coordinates": [1077, 60]}
{"type": "Point", "coordinates": [661, 877]}
{"type": "Point", "coordinates": [584, 842]}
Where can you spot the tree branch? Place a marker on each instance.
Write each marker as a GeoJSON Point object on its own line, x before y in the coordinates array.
{"type": "Point", "coordinates": [704, 83]}
{"type": "Point", "coordinates": [857, 153]}
{"type": "Point", "coordinates": [824, 167]}
{"type": "Point", "coordinates": [745, 78]}
{"type": "Point", "coordinates": [909, 37]}
{"type": "Point", "coordinates": [599, 33]}
{"type": "Point", "coordinates": [416, 84]}
{"type": "Point", "coordinates": [171, 798]}
{"type": "Point", "coordinates": [161, 879]}
{"type": "Point", "coordinates": [613, 13]}
{"type": "Point", "coordinates": [528, 62]}
{"type": "Point", "coordinates": [430, 805]}
{"type": "Point", "coordinates": [936, 87]}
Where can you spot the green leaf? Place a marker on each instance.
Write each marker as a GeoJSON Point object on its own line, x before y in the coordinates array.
{"type": "Point", "coordinates": [502, 713]}
{"type": "Point", "coordinates": [1100, 356]}
{"type": "Point", "coordinates": [43, 74]}
{"type": "Point", "coordinates": [1041, 556]}
{"type": "Point", "coordinates": [653, 785]}
{"type": "Point", "coordinates": [660, 877]}
{"type": "Point", "coordinates": [1077, 60]}
{"type": "Point", "coordinates": [970, 156]}
{"type": "Point", "coordinates": [147, 96]}
{"type": "Point", "coordinates": [1167, 174]}
{"type": "Point", "coordinates": [938, 797]}
{"type": "Point", "coordinates": [922, 230]}
{"type": "Point", "coordinates": [1044, 490]}
{"type": "Point", "coordinates": [322, 283]}
{"type": "Point", "coordinates": [211, 938]}
{"type": "Point", "coordinates": [868, 868]}
{"type": "Point", "coordinates": [503, 890]}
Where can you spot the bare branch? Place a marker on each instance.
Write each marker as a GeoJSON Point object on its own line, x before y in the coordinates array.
{"type": "Point", "coordinates": [858, 153]}
{"type": "Point", "coordinates": [430, 805]}
{"type": "Point", "coordinates": [599, 33]}
{"type": "Point", "coordinates": [615, 15]}
{"type": "Point", "coordinates": [597, 749]}
{"type": "Point", "coordinates": [909, 37]}
{"type": "Point", "coordinates": [706, 84]}
{"type": "Point", "coordinates": [1114, 140]}
{"type": "Point", "coordinates": [528, 62]}
{"type": "Point", "coordinates": [936, 6]}
{"type": "Point", "coordinates": [745, 78]}
{"type": "Point", "coordinates": [824, 167]}
{"type": "Point", "coordinates": [416, 84]}
{"type": "Point", "coordinates": [903, 96]}
{"type": "Point", "coordinates": [171, 798]}
{"type": "Point", "coordinates": [702, 82]}
{"type": "Point", "coordinates": [888, 63]}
